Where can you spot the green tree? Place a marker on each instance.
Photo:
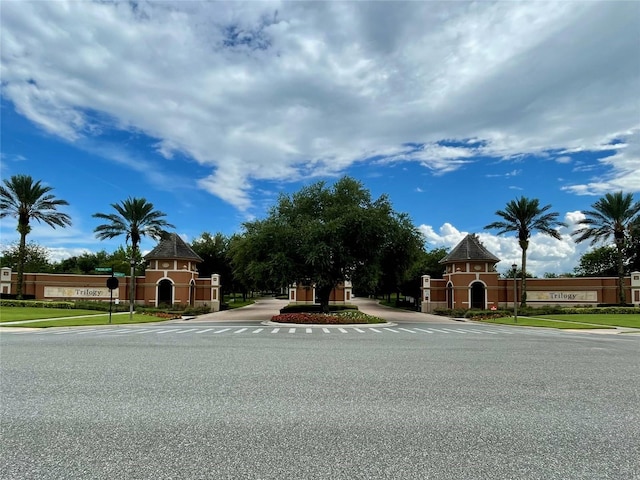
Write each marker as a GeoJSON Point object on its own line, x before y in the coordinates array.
{"type": "Point", "coordinates": [134, 218]}
{"type": "Point", "coordinates": [403, 249]}
{"type": "Point", "coordinates": [36, 257]}
{"type": "Point", "coordinates": [214, 251]}
{"type": "Point", "coordinates": [427, 263]}
{"type": "Point", "coordinates": [27, 200]}
{"type": "Point", "coordinates": [525, 216]}
{"type": "Point", "coordinates": [615, 216]}
{"type": "Point", "coordinates": [319, 235]}
{"type": "Point", "coordinates": [599, 262]}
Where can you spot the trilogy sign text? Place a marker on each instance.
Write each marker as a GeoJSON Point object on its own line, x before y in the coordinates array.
{"type": "Point", "coordinates": [550, 296]}
{"type": "Point", "coordinates": [79, 292]}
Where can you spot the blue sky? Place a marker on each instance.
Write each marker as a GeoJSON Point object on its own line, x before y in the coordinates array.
{"type": "Point", "coordinates": [209, 110]}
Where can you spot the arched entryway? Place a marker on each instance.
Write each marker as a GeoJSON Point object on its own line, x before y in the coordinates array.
{"type": "Point", "coordinates": [165, 292]}
{"type": "Point", "coordinates": [478, 297]}
{"type": "Point", "coordinates": [449, 295]}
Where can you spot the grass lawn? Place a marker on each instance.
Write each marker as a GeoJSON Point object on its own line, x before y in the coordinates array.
{"type": "Point", "coordinates": [619, 320]}
{"type": "Point", "coordinates": [78, 317]}
{"type": "Point", "coordinates": [541, 322]}
{"type": "Point", "coordinates": [11, 314]}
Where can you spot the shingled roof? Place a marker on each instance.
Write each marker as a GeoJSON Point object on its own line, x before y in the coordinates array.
{"type": "Point", "coordinates": [470, 248]}
{"type": "Point", "coordinates": [172, 247]}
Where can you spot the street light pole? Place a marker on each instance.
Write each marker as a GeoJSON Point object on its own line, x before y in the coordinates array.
{"type": "Point", "coordinates": [132, 289]}
{"type": "Point", "coordinates": [515, 293]}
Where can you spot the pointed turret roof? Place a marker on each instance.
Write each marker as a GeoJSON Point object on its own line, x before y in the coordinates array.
{"type": "Point", "coordinates": [172, 247]}
{"type": "Point", "coordinates": [470, 248]}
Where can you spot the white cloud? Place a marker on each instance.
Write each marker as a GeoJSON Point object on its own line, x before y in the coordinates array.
{"type": "Point", "coordinates": [289, 90]}
{"type": "Point", "coordinates": [624, 169]}
{"type": "Point", "coordinates": [545, 254]}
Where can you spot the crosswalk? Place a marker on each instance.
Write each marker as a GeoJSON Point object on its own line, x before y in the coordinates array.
{"type": "Point", "coordinates": [287, 330]}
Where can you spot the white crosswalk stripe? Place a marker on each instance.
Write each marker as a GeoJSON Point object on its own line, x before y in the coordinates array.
{"type": "Point", "coordinates": [469, 331]}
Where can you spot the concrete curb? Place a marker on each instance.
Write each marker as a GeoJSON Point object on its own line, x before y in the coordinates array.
{"type": "Point", "coordinates": [325, 325]}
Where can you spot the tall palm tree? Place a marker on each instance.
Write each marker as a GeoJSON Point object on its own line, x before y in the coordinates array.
{"type": "Point", "coordinates": [135, 218]}
{"type": "Point", "coordinates": [614, 215]}
{"type": "Point", "coordinates": [524, 216]}
{"type": "Point", "coordinates": [27, 200]}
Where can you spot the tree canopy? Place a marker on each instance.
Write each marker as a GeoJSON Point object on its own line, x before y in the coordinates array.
{"type": "Point", "coordinates": [27, 200]}
{"type": "Point", "coordinates": [614, 216]}
{"type": "Point", "coordinates": [324, 235]}
{"type": "Point", "coordinates": [525, 216]}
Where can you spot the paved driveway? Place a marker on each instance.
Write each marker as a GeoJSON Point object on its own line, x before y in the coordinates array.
{"type": "Point", "coordinates": [266, 307]}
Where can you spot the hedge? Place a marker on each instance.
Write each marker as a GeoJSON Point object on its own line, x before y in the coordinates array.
{"type": "Point", "coordinates": [36, 304]}
{"type": "Point", "coordinates": [301, 308]}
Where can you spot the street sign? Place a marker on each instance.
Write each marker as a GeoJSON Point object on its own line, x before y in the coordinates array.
{"type": "Point", "coordinates": [119, 274]}
{"type": "Point", "coordinates": [112, 283]}
{"type": "Point", "coordinates": [103, 269]}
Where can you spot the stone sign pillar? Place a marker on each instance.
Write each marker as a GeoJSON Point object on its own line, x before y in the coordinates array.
{"type": "Point", "coordinates": [425, 288]}
{"type": "Point", "coordinates": [215, 293]}
{"type": "Point", "coordinates": [635, 289]}
{"type": "Point", "coordinates": [5, 280]}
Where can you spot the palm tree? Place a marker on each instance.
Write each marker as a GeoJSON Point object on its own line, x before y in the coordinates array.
{"type": "Point", "coordinates": [524, 216]}
{"type": "Point", "coordinates": [135, 218]}
{"type": "Point", "coordinates": [27, 200]}
{"type": "Point", "coordinates": [614, 215]}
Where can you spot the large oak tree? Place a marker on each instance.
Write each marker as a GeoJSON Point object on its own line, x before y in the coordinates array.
{"type": "Point", "coordinates": [323, 235]}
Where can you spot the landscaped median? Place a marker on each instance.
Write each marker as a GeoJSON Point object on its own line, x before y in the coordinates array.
{"type": "Point", "coordinates": [346, 317]}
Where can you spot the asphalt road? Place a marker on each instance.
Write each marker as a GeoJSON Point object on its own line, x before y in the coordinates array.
{"type": "Point", "coordinates": [221, 399]}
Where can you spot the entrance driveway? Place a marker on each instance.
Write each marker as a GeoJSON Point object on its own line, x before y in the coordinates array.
{"type": "Point", "coordinates": [266, 307]}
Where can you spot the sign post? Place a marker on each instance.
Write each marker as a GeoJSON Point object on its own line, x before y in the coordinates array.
{"type": "Point", "coordinates": [112, 284]}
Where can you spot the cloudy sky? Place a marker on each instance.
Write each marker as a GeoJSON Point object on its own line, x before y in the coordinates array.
{"type": "Point", "coordinates": [210, 110]}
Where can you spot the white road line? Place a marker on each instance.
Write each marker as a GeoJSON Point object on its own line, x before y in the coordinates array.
{"type": "Point", "coordinates": [406, 330]}
{"type": "Point", "coordinates": [86, 331]}
{"type": "Point", "coordinates": [342, 330]}
{"type": "Point", "coordinates": [470, 331]}
{"type": "Point", "coordinates": [358, 330]}
{"type": "Point", "coordinates": [375, 330]}
{"type": "Point", "coordinates": [454, 331]}
{"type": "Point", "coordinates": [326, 330]}
{"type": "Point", "coordinates": [391, 330]}
{"type": "Point", "coordinates": [205, 330]}
{"type": "Point", "coordinates": [166, 331]}
{"type": "Point", "coordinates": [292, 330]}
{"type": "Point", "coordinates": [146, 330]}
{"type": "Point", "coordinates": [223, 330]}
{"type": "Point", "coordinates": [241, 330]}
{"type": "Point", "coordinates": [504, 331]}
{"type": "Point", "coordinates": [309, 330]}
{"type": "Point", "coordinates": [257, 330]}
{"type": "Point", "coordinates": [275, 330]}
{"type": "Point", "coordinates": [440, 331]}
{"type": "Point", "coordinates": [187, 330]}
{"type": "Point", "coordinates": [422, 330]}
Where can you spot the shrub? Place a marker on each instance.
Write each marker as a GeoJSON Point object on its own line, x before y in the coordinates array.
{"type": "Point", "coordinates": [448, 312]}
{"type": "Point", "coordinates": [299, 308]}
{"type": "Point", "coordinates": [340, 318]}
{"type": "Point", "coordinates": [486, 314]}
{"type": "Point", "coordinates": [36, 304]}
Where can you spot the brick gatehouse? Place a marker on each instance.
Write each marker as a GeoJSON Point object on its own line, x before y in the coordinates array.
{"type": "Point", "coordinates": [171, 278]}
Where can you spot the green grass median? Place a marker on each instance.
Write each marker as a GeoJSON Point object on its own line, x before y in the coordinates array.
{"type": "Point", "coordinates": [617, 320]}
{"type": "Point", "coordinates": [542, 322]}
{"type": "Point", "coordinates": [66, 317]}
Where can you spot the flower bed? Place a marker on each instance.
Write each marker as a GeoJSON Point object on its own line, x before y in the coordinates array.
{"type": "Point", "coordinates": [338, 318]}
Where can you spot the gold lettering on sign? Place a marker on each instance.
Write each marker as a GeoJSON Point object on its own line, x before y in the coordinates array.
{"type": "Point", "coordinates": [80, 292]}
{"type": "Point", "coordinates": [562, 296]}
